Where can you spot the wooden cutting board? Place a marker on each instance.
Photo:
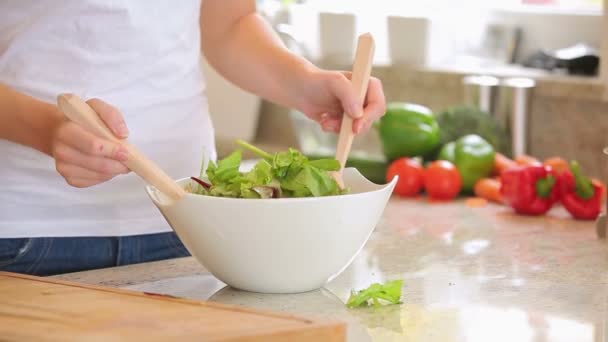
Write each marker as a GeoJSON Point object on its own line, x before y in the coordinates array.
{"type": "Point", "coordinates": [41, 309]}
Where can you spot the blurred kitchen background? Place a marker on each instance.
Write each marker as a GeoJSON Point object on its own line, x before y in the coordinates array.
{"type": "Point", "coordinates": [533, 64]}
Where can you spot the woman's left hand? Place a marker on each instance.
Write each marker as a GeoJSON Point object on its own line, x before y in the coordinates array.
{"type": "Point", "coordinates": [325, 96]}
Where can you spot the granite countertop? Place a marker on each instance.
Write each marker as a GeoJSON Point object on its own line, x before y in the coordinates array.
{"type": "Point", "coordinates": [471, 274]}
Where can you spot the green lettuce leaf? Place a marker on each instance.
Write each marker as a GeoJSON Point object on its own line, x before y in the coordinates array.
{"type": "Point", "coordinates": [223, 190]}
{"type": "Point", "coordinates": [326, 164]}
{"type": "Point", "coordinates": [261, 174]}
{"type": "Point", "coordinates": [227, 169]}
{"type": "Point", "coordinates": [389, 292]}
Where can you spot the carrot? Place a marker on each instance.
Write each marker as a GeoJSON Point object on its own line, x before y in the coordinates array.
{"type": "Point", "coordinates": [558, 164]}
{"type": "Point", "coordinates": [526, 160]}
{"type": "Point", "coordinates": [502, 163]}
{"type": "Point", "coordinates": [489, 189]}
{"type": "Point", "coordinates": [602, 186]}
{"type": "Point", "coordinates": [476, 202]}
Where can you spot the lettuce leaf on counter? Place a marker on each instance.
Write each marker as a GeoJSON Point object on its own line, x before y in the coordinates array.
{"type": "Point", "coordinates": [389, 292]}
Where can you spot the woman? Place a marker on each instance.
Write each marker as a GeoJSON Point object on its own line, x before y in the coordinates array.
{"type": "Point", "coordinates": [67, 202]}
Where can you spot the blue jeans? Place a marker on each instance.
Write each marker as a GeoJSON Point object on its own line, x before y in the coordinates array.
{"type": "Point", "coordinates": [56, 255]}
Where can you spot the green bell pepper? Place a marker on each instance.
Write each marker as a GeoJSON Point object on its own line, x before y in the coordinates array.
{"type": "Point", "coordinates": [473, 157]}
{"type": "Point", "coordinates": [448, 152]}
{"type": "Point", "coordinates": [408, 130]}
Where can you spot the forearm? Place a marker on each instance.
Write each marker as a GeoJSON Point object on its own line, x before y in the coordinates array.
{"type": "Point", "coordinates": [250, 54]}
{"type": "Point", "coordinates": [26, 120]}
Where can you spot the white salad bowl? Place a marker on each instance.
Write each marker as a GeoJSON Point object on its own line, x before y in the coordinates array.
{"type": "Point", "coordinates": [285, 245]}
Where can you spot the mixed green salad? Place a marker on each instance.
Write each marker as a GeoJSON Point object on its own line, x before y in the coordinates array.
{"type": "Point", "coordinates": [284, 174]}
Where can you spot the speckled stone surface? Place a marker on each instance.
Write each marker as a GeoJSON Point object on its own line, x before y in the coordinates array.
{"type": "Point", "coordinates": [471, 274]}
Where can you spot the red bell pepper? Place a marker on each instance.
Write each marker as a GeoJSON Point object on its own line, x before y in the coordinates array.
{"type": "Point", "coordinates": [579, 195]}
{"type": "Point", "coordinates": [531, 189]}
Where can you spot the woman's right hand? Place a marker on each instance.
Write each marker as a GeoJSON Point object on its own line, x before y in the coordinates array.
{"type": "Point", "coordinates": [85, 159]}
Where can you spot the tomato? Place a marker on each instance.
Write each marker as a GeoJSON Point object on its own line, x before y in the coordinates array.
{"type": "Point", "coordinates": [410, 176]}
{"type": "Point", "coordinates": [442, 180]}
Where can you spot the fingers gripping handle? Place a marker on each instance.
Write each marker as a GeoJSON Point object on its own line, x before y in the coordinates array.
{"type": "Point", "coordinates": [78, 111]}
{"type": "Point", "coordinates": [360, 79]}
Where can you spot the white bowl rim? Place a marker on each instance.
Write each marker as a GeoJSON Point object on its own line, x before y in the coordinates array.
{"type": "Point", "coordinates": [380, 188]}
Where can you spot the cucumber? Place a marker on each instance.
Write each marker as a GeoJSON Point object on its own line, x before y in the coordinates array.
{"type": "Point", "coordinates": [371, 168]}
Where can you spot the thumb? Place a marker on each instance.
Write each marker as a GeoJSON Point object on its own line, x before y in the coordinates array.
{"type": "Point", "coordinates": [111, 116]}
{"type": "Point", "coordinates": [345, 92]}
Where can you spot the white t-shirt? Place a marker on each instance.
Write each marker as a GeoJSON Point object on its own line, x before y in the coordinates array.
{"type": "Point", "coordinates": [141, 56]}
